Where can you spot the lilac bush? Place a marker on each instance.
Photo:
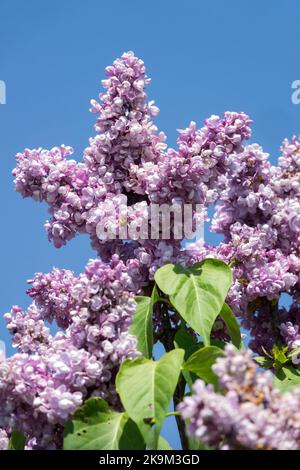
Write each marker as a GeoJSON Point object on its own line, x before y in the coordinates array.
{"type": "Point", "coordinates": [128, 162]}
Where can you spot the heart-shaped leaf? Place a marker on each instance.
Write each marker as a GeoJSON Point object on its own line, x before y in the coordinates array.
{"type": "Point", "coordinates": [146, 389]}
{"type": "Point", "coordinates": [198, 293]}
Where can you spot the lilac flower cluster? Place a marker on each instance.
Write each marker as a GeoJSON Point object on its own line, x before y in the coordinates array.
{"type": "Point", "coordinates": [191, 173]}
{"type": "Point", "coordinates": [128, 162]}
{"type": "Point", "coordinates": [127, 159]}
{"type": "Point", "coordinates": [258, 204]}
{"type": "Point", "coordinates": [257, 212]}
{"type": "Point", "coordinates": [125, 136]}
{"type": "Point", "coordinates": [42, 385]}
{"type": "Point", "coordinates": [250, 414]}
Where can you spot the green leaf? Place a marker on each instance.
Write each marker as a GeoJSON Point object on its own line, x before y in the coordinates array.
{"type": "Point", "coordinates": [263, 361]}
{"type": "Point", "coordinates": [195, 444]}
{"type": "Point", "coordinates": [293, 353]}
{"type": "Point", "coordinates": [198, 293]}
{"type": "Point", "coordinates": [142, 324]}
{"type": "Point", "coordinates": [201, 363]}
{"type": "Point", "coordinates": [232, 325]}
{"type": "Point", "coordinates": [287, 378]}
{"type": "Point", "coordinates": [218, 342]}
{"type": "Point", "coordinates": [17, 441]}
{"type": "Point", "coordinates": [279, 354]}
{"type": "Point", "coordinates": [146, 389]}
{"type": "Point", "coordinates": [163, 444]}
{"type": "Point", "coordinates": [184, 340]}
{"type": "Point", "coordinates": [96, 427]}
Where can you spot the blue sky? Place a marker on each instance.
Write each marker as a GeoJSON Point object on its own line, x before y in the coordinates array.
{"type": "Point", "coordinates": [204, 58]}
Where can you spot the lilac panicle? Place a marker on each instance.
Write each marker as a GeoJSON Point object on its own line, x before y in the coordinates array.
{"type": "Point", "coordinates": [250, 414]}
{"type": "Point", "coordinates": [128, 161]}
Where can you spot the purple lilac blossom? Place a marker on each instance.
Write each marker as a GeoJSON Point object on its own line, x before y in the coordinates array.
{"type": "Point", "coordinates": [250, 414]}
{"type": "Point", "coordinates": [42, 385]}
{"type": "Point", "coordinates": [257, 212]}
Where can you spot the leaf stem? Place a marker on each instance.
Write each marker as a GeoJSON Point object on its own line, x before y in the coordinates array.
{"type": "Point", "coordinates": [172, 413]}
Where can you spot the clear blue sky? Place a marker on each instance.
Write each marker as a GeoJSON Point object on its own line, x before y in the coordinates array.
{"type": "Point", "coordinates": [204, 58]}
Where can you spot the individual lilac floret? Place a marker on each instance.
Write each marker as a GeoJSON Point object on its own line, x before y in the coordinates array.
{"type": "Point", "coordinates": [250, 414]}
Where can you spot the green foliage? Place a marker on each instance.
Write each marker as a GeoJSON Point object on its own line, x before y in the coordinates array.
{"type": "Point", "coordinates": [201, 363]}
{"type": "Point", "coordinates": [198, 293]}
{"type": "Point", "coordinates": [196, 444]}
{"type": "Point", "coordinates": [96, 427]}
{"type": "Point", "coordinates": [293, 353]}
{"type": "Point", "coordinates": [142, 325]}
{"type": "Point", "coordinates": [280, 357]}
{"type": "Point", "coordinates": [287, 378]}
{"type": "Point", "coordinates": [163, 444]}
{"type": "Point", "coordinates": [232, 325]}
{"type": "Point", "coordinates": [146, 389]}
{"type": "Point", "coordinates": [184, 340]}
{"type": "Point", "coordinates": [263, 361]}
{"type": "Point", "coordinates": [17, 441]}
